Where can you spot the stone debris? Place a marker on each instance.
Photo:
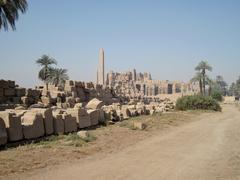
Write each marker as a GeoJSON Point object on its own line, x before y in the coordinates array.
{"type": "Point", "coordinates": [95, 104]}
{"type": "Point", "coordinates": [94, 116]}
{"type": "Point", "coordinates": [3, 133]}
{"type": "Point", "coordinates": [58, 123]}
{"type": "Point", "coordinates": [33, 126]}
{"type": "Point", "coordinates": [13, 125]}
{"type": "Point", "coordinates": [139, 125]}
{"type": "Point", "coordinates": [83, 134]}
{"type": "Point", "coordinates": [47, 119]}
{"type": "Point", "coordinates": [70, 123]}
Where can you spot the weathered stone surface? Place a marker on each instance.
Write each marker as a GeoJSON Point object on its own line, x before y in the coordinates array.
{"type": "Point", "coordinates": [139, 125]}
{"type": "Point", "coordinates": [70, 123]}
{"type": "Point", "coordinates": [3, 133]}
{"type": "Point", "coordinates": [9, 92]}
{"type": "Point", "coordinates": [58, 124]}
{"type": "Point", "coordinates": [13, 125]}
{"type": "Point", "coordinates": [101, 116]}
{"type": "Point", "coordinates": [83, 134]}
{"type": "Point", "coordinates": [20, 92]}
{"type": "Point", "coordinates": [94, 116]}
{"type": "Point", "coordinates": [48, 119]}
{"type": "Point", "coordinates": [95, 104]}
{"type": "Point", "coordinates": [33, 126]}
{"type": "Point", "coordinates": [1, 92]}
{"type": "Point", "coordinates": [82, 117]}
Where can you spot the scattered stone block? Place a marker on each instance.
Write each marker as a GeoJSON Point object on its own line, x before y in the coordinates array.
{"type": "Point", "coordinates": [82, 117]}
{"type": "Point", "coordinates": [1, 92]}
{"type": "Point", "coordinates": [83, 134]}
{"type": "Point", "coordinates": [3, 133]}
{"type": "Point", "coordinates": [94, 116]}
{"type": "Point", "coordinates": [13, 125]}
{"type": "Point", "coordinates": [48, 119]}
{"type": "Point", "coordinates": [139, 125]}
{"type": "Point", "coordinates": [70, 123]}
{"type": "Point", "coordinates": [33, 126]}
{"type": "Point", "coordinates": [95, 104]}
{"type": "Point", "coordinates": [58, 124]}
{"type": "Point", "coordinates": [20, 92]}
{"type": "Point", "coordinates": [9, 92]}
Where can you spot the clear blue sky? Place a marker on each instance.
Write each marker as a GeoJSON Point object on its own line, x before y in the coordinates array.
{"type": "Point", "coordinates": [164, 37]}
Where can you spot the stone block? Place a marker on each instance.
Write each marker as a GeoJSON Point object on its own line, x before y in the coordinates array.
{"type": "Point", "coordinates": [33, 126]}
{"type": "Point", "coordinates": [16, 100]}
{"type": "Point", "coordinates": [11, 84]}
{"type": "Point", "coordinates": [1, 92]}
{"type": "Point", "coordinates": [70, 123]}
{"type": "Point", "coordinates": [9, 92]}
{"type": "Point", "coordinates": [94, 116]}
{"type": "Point", "coordinates": [139, 125]}
{"type": "Point", "coordinates": [20, 92]}
{"type": "Point", "coordinates": [47, 119]}
{"type": "Point", "coordinates": [58, 124]}
{"type": "Point", "coordinates": [82, 117]}
{"type": "Point", "coordinates": [95, 104]}
{"type": "Point", "coordinates": [3, 133]}
{"type": "Point", "coordinates": [13, 125]}
{"type": "Point", "coordinates": [83, 134]}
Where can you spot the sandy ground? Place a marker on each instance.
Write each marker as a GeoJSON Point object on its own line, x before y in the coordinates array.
{"type": "Point", "coordinates": [206, 149]}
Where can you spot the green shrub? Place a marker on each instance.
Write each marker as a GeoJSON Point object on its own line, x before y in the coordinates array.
{"type": "Point", "coordinates": [217, 96]}
{"type": "Point", "coordinates": [197, 102]}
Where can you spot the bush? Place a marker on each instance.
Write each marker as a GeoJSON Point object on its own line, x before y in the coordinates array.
{"type": "Point", "coordinates": [217, 96]}
{"type": "Point", "coordinates": [197, 102]}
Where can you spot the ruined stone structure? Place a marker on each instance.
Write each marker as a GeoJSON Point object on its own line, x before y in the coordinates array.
{"type": "Point", "coordinates": [133, 84]}
{"type": "Point", "coordinates": [101, 68]}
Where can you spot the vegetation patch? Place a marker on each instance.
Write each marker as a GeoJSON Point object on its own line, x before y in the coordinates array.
{"type": "Point", "coordinates": [197, 102]}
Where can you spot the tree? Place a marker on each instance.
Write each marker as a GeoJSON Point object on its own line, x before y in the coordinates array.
{"type": "Point", "coordinates": [198, 78]}
{"type": "Point", "coordinates": [44, 74]}
{"type": "Point", "coordinates": [220, 85]}
{"type": "Point", "coordinates": [202, 67]}
{"type": "Point", "coordinates": [58, 76]}
{"type": "Point", "coordinates": [232, 89]}
{"type": "Point", "coordinates": [9, 12]}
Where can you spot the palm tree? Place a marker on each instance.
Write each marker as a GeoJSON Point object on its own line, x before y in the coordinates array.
{"type": "Point", "coordinates": [9, 12]}
{"type": "Point", "coordinates": [198, 78]}
{"type": "Point", "coordinates": [202, 67]}
{"type": "Point", "coordinates": [44, 74]}
{"type": "Point", "coordinates": [58, 76]}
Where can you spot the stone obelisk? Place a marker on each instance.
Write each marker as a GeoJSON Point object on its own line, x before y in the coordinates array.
{"type": "Point", "coordinates": [101, 68]}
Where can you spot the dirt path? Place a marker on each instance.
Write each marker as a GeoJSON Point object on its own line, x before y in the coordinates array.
{"type": "Point", "coordinates": [207, 149]}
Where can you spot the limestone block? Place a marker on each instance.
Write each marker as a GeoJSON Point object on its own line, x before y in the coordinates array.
{"type": "Point", "coordinates": [13, 125]}
{"type": "Point", "coordinates": [58, 124]}
{"type": "Point", "coordinates": [9, 92]}
{"type": "Point", "coordinates": [83, 134]}
{"type": "Point", "coordinates": [47, 119]}
{"type": "Point", "coordinates": [19, 92]}
{"type": "Point", "coordinates": [33, 126]}
{"type": "Point", "coordinates": [126, 113]}
{"type": "Point", "coordinates": [81, 115]}
{"type": "Point", "coordinates": [70, 123]}
{"type": "Point", "coordinates": [25, 100]}
{"type": "Point", "coordinates": [1, 92]}
{"type": "Point", "coordinates": [3, 133]}
{"type": "Point", "coordinates": [94, 116]}
{"type": "Point", "coordinates": [3, 84]}
{"type": "Point", "coordinates": [95, 104]}
{"type": "Point", "coordinates": [139, 125]}
{"type": "Point", "coordinates": [11, 84]}
{"type": "Point", "coordinates": [101, 116]}
{"type": "Point", "coordinates": [71, 101]}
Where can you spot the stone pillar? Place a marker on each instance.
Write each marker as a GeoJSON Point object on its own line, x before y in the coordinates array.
{"type": "Point", "coordinates": [101, 68]}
